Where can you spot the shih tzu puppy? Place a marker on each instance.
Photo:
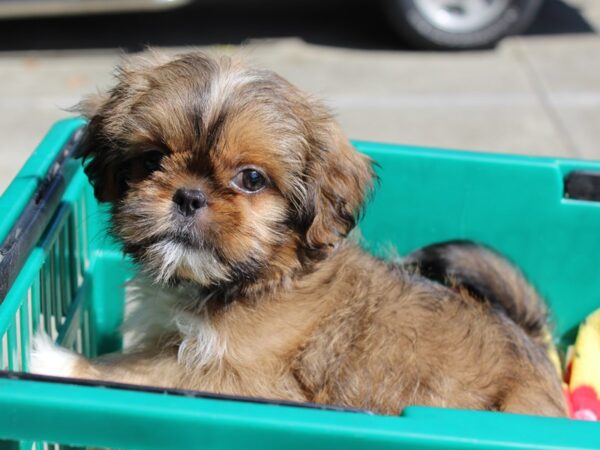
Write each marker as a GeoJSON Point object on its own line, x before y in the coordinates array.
{"type": "Point", "coordinates": [235, 193]}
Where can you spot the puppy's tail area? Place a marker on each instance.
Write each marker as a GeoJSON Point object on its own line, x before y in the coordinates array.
{"type": "Point", "coordinates": [487, 277]}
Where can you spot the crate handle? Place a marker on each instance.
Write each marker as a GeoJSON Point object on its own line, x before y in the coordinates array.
{"type": "Point", "coordinates": [36, 216]}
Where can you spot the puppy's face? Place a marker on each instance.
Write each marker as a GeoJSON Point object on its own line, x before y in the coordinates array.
{"type": "Point", "coordinates": [221, 174]}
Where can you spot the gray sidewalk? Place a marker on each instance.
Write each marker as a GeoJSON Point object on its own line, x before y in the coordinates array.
{"type": "Point", "coordinates": [536, 95]}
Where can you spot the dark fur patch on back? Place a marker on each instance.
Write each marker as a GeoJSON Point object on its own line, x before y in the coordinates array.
{"type": "Point", "coordinates": [485, 276]}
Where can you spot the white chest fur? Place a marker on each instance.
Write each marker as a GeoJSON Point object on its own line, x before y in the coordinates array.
{"type": "Point", "coordinates": [155, 311]}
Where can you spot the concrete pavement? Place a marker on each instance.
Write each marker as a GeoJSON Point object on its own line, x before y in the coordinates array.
{"type": "Point", "coordinates": [537, 94]}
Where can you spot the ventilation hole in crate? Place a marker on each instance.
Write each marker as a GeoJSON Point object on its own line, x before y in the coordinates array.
{"type": "Point", "coordinates": [4, 351]}
{"type": "Point", "coordinates": [65, 286]}
{"type": "Point", "coordinates": [80, 258]}
{"type": "Point", "coordinates": [30, 316]}
{"type": "Point", "coordinates": [26, 445]}
{"type": "Point", "coordinates": [42, 285]}
{"type": "Point", "coordinates": [36, 306]}
{"type": "Point", "coordinates": [33, 309]}
{"type": "Point", "coordinates": [86, 333]}
{"type": "Point", "coordinates": [50, 300]}
{"type": "Point", "coordinates": [74, 246]}
{"type": "Point", "coordinates": [9, 445]}
{"type": "Point", "coordinates": [69, 260]}
{"type": "Point", "coordinates": [79, 341]}
{"type": "Point", "coordinates": [75, 277]}
{"type": "Point", "coordinates": [68, 447]}
{"type": "Point", "coordinates": [64, 276]}
{"type": "Point", "coordinates": [53, 332]}
{"type": "Point", "coordinates": [25, 333]}
{"type": "Point", "coordinates": [55, 288]}
{"type": "Point", "coordinates": [84, 235]}
{"type": "Point", "coordinates": [18, 360]}
{"type": "Point", "coordinates": [12, 347]}
{"type": "Point", "coordinates": [51, 273]}
{"type": "Point", "coordinates": [46, 299]}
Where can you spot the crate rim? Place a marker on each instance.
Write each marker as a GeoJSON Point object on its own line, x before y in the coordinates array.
{"type": "Point", "coordinates": [238, 421]}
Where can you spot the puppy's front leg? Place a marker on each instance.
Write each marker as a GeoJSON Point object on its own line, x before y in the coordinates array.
{"type": "Point", "coordinates": [142, 368]}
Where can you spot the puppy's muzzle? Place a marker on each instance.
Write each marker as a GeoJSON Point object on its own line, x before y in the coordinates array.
{"type": "Point", "coordinates": [189, 201]}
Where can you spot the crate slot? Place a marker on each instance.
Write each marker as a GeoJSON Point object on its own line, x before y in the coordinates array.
{"type": "Point", "coordinates": [46, 299]}
{"type": "Point", "coordinates": [83, 242]}
{"type": "Point", "coordinates": [582, 185]}
{"type": "Point", "coordinates": [13, 358]}
{"type": "Point", "coordinates": [4, 352]}
{"type": "Point", "coordinates": [35, 298]}
{"type": "Point", "coordinates": [53, 290]}
{"type": "Point", "coordinates": [18, 344]}
{"type": "Point", "coordinates": [24, 333]}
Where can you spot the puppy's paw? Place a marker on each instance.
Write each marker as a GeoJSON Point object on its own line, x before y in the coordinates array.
{"type": "Point", "coordinates": [47, 358]}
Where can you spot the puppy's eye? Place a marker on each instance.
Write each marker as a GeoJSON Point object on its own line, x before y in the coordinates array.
{"type": "Point", "coordinates": [249, 180]}
{"type": "Point", "coordinates": [151, 160]}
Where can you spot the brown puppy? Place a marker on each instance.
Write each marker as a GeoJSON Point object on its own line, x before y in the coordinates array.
{"type": "Point", "coordinates": [235, 193]}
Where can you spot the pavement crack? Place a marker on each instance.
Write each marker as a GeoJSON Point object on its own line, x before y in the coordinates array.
{"type": "Point", "coordinates": [537, 84]}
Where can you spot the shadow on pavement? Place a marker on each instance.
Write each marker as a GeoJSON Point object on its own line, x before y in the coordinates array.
{"type": "Point", "coordinates": [557, 17]}
{"type": "Point", "coordinates": [356, 24]}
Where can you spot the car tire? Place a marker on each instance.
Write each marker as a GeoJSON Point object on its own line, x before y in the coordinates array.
{"type": "Point", "coordinates": [414, 21]}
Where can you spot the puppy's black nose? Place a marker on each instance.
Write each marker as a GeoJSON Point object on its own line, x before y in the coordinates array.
{"type": "Point", "coordinates": [189, 201]}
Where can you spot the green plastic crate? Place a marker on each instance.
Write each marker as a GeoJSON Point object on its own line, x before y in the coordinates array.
{"type": "Point", "coordinates": [61, 272]}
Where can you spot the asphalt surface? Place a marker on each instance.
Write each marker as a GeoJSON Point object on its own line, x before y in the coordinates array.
{"type": "Point", "coordinates": [535, 94]}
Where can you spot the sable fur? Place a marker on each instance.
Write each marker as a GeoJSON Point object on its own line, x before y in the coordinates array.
{"type": "Point", "coordinates": [263, 294]}
{"type": "Point", "coordinates": [488, 278]}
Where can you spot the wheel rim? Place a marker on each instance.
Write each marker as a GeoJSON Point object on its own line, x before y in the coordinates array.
{"type": "Point", "coordinates": [461, 16]}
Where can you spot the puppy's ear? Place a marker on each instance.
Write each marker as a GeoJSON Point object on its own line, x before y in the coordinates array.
{"type": "Point", "coordinates": [110, 125]}
{"type": "Point", "coordinates": [339, 181]}
{"type": "Point", "coordinates": [91, 105]}
{"type": "Point", "coordinates": [95, 149]}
